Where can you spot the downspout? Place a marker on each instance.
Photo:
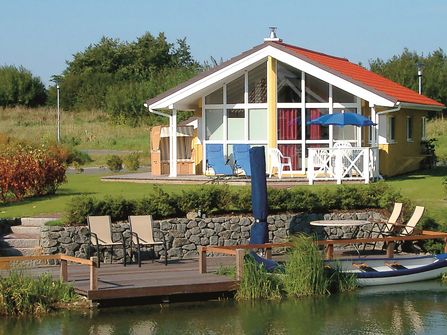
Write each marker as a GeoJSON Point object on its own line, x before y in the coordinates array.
{"type": "Point", "coordinates": [172, 169]}
{"type": "Point", "coordinates": [376, 135]}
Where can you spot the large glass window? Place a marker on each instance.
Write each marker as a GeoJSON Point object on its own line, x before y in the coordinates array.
{"type": "Point", "coordinates": [346, 133]}
{"type": "Point", "coordinates": [423, 128]}
{"type": "Point", "coordinates": [215, 98]}
{"type": "Point", "coordinates": [257, 84]}
{"type": "Point", "coordinates": [214, 124]}
{"type": "Point", "coordinates": [316, 90]}
{"type": "Point", "coordinates": [235, 91]}
{"type": "Point", "coordinates": [341, 96]}
{"type": "Point", "coordinates": [316, 132]}
{"type": "Point", "coordinates": [289, 124]}
{"type": "Point", "coordinates": [257, 124]}
{"type": "Point", "coordinates": [235, 128]}
{"type": "Point", "coordinates": [289, 83]}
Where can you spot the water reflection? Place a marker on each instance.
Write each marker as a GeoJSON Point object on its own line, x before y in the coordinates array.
{"type": "Point", "coordinates": [414, 309]}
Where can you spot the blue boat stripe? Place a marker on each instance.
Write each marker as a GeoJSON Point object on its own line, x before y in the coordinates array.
{"type": "Point", "coordinates": [396, 273]}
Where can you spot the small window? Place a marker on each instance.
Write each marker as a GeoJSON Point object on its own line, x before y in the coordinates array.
{"type": "Point", "coordinates": [257, 84]}
{"type": "Point", "coordinates": [236, 119]}
{"type": "Point", "coordinates": [423, 128]}
{"type": "Point", "coordinates": [392, 129]}
{"type": "Point", "coordinates": [409, 129]}
{"type": "Point", "coordinates": [235, 91]}
{"type": "Point", "coordinates": [316, 90]}
{"type": "Point", "coordinates": [215, 98]}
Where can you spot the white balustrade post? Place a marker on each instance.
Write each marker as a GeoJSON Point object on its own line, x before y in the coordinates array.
{"type": "Point", "coordinates": [366, 165]}
{"type": "Point", "coordinates": [310, 166]}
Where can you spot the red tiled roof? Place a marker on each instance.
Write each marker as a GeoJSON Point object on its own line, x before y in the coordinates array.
{"type": "Point", "coordinates": [360, 75]}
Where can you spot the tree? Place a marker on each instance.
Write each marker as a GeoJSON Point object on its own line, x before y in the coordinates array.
{"type": "Point", "coordinates": [19, 87]}
{"type": "Point", "coordinates": [403, 69]}
{"type": "Point", "coordinates": [119, 76]}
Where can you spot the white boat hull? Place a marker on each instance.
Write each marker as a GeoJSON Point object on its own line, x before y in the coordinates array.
{"type": "Point", "coordinates": [377, 271]}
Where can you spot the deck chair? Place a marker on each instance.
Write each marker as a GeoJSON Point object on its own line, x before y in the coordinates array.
{"type": "Point", "coordinates": [241, 153]}
{"type": "Point", "coordinates": [409, 228]}
{"type": "Point", "coordinates": [100, 232]}
{"type": "Point", "coordinates": [278, 161]}
{"type": "Point", "coordinates": [386, 228]}
{"type": "Point", "coordinates": [215, 160]}
{"type": "Point", "coordinates": [142, 233]}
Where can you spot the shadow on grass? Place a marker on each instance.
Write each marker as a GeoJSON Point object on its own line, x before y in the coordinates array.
{"type": "Point", "coordinates": [26, 201]}
{"type": "Point", "coordinates": [439, 171]}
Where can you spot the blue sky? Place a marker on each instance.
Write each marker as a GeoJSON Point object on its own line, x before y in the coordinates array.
{"type": "Point", "coordinates": [42, 35]}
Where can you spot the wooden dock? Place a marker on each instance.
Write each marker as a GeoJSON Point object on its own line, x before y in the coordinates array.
{"type": "Point", "coordinates": [153, 282]}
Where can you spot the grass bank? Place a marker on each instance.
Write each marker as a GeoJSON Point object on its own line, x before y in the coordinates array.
{"type": "Point", "coordinates": [21, 294]}
{"type": "Point", "coordinates": [82, 130]}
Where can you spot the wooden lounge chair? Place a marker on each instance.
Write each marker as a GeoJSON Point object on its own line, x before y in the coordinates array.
{"type": "Point", "coordinates": [100, 232]}
{"type": "Point", "coordinates": [409, 228]}
{"type": "Point", "coordinates": [388, 228]}
{"type": "Point", "coordinates": [142, 233]}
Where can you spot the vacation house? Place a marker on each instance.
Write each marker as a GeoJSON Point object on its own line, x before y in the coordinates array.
{"type": "Point", "coordinates": [265, 96]}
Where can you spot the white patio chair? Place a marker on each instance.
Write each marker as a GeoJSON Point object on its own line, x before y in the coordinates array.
{"type": "Point", "coordinates": [278, 161]}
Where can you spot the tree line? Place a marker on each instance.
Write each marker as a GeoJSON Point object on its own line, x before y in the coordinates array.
{"type": "Point", "coordinates": [118, 76]}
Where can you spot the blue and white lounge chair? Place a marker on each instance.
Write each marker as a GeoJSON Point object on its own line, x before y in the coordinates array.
{"type": "Point", "coordinates": [215, 160]}
{"type": "Point", "coordinates": [242, 158]}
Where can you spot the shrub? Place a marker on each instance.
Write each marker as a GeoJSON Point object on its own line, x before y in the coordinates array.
{"type": "Point", "coordinates": [78, 157]}
{"type": "Point", "coordinates": [132, 161]}
{"type": "Point", "coordinates": [115, 163]}
{"type": "Point", "coordinates": [21, 294]}
{"type": "Point", "coordinates": [444, 185]}
{"type": "Point", "coordinates": [27, 171]}
{"type": "Point", "coordinates": [223, 199]}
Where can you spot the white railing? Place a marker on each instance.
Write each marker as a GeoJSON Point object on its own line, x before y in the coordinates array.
{"type": "Point", "coordinates": [342, 164]}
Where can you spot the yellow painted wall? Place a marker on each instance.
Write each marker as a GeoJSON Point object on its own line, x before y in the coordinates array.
{"type": "Point", "coordinates": [402, 156]}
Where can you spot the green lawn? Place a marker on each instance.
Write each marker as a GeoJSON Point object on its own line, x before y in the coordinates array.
{"type": "Point", "coordinates": [80, 184]}
{"type": "Point", "coordinates": [423, 188]}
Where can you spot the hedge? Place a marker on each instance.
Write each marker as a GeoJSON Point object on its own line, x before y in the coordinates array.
{"type": "Point", "coordinates": [223, 199]}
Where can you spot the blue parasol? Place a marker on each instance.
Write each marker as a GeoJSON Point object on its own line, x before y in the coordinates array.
{"type": "Point", "coordinates": [342, 119]}
{"type": "Point", "coordinates": [259, 231]}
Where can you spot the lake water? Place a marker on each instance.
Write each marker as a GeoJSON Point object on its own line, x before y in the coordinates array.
{"type": "Point", "coordinates": [419, 308]}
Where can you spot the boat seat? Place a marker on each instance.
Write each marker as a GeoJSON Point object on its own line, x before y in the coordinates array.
{"type": "Point", "coordinates": [364, 267]}
{"type": "Point", "coordinates": [395, 266]}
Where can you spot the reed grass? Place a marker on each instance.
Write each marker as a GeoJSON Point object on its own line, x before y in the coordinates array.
{"type": "Point", "coordinates": [304, 274]}
{"type": "Point", "coordinates": [21, 294]}
{"type": "Point", "coordinates": [257, 283]}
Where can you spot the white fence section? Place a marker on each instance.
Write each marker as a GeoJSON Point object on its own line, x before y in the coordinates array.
{"type": "Point", "coordinates": [342, 164]}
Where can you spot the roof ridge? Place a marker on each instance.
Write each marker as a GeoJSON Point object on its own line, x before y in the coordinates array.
{"type": "Point", "coordinates": [313, 51]}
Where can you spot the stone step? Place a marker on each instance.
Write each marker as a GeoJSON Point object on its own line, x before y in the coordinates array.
{"type": "Point", "coordinates": [19, 241]}
{"type": "Point", "coordinates": [36, 222]}
{"type": "Point", "coordinates": [20, 251]}
{"type": "Point", "coordinates": [28, 230]}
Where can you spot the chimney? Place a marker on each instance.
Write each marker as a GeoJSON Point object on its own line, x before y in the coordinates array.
{"type": "Point", "coordinates": [272, 36]}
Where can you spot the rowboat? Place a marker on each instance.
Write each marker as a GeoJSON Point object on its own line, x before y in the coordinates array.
{"type": "Point", "coordinates": [386, 271]}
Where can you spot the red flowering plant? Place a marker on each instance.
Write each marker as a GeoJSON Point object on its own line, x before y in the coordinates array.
{"type": "Point", "coordinates": [27, 170]}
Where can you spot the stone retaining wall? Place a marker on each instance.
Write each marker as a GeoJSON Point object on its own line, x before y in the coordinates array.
{"type": "Point", "coordinates": [183, 235]}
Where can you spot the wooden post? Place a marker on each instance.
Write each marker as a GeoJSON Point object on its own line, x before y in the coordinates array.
{"type": "Point", "coordinates": [268, 253]}
{"type": "Point", "coordinates": [93, 274]}
{"type": "Point", "coordinates": [240, 253]}
{"type": "Point", "coordinates": [202, 259]}
{"type": "Point", "coordinates": [390, 249]}
{"type": "Point", "coordinates": [330, 251]}
{"type": "Point", "coordinates": [64, 271]}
